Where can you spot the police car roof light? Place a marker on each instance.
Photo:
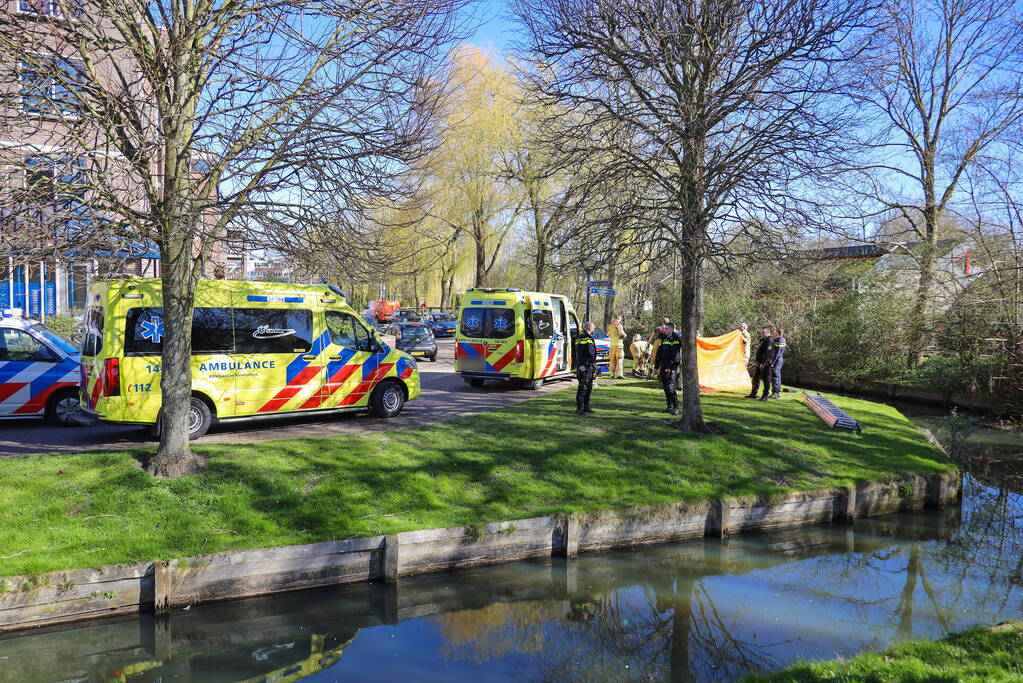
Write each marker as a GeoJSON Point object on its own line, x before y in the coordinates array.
{"type": "Point", "coordinates": [13, 312]}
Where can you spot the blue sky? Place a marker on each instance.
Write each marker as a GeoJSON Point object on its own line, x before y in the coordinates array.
{"type": "Point", "coordinates": [496, 29]}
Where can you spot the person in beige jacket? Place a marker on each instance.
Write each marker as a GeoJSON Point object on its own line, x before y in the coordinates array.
{"type": "Point", "coordinates": [744, 331]}
{"type": "Point", "coordinates": [617, 334]}
{"type": "Point", "coordinates": [640, 349]}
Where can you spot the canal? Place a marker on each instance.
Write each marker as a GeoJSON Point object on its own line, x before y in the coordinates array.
{"type": "Point", "coordinates": [703, 610]}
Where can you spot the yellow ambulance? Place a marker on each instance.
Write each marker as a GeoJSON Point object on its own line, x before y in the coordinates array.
{"type": "Point", "coordinates": [510, 335]}
{"type": "Point", "coordinates": [258, 349]}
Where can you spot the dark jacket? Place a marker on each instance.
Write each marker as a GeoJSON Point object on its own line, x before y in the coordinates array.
{"type": "Point", "coordinates": [779, 351]}
{"type": "Point", "coordinates": [765, 352]}
{"type": "Point", "coordinates": [584, 350]}
{"type": "Point", "coordinates": [669, 353]}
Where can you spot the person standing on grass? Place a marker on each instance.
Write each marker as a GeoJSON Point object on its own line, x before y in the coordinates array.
{"type": "Point", "coordinates": [640, 355]}
{"type": "Point", "coordinates": [777, 360]}
{"type": "Point", "coordinates": [655, 341]}
{"type": "Point", "coordinates": [584, 350]}
{"type": "Point", "coordinates": [762, 370]}
{"type": "Point", "coordinates": [668, 360]}
{"type": "Point", "coordinates": [617, 334]}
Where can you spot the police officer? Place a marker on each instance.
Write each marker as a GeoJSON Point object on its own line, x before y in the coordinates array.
{"type": "Point", "coordinates": [777, 360]}
{"type": "Point", "coordinates": [659, 333]}
{"type": "Point", "coordinates": [762, 369]}
{"type": "Point", "coordinates": [668, 360]}
{"type": "Point", "coordinates": [584, 350]}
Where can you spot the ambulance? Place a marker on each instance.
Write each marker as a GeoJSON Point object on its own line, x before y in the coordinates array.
{"type": "Point", "coordinates": [259, 349]}
{"type": "Point", "coordinates": [514, 336]}
{"type": "Point", "coordinates": [38, 371]}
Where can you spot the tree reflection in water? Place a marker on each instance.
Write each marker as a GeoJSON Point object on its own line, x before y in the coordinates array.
{"type": "Point", "coordinates": [755, 604]}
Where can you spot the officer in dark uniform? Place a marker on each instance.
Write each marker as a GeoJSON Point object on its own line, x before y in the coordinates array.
{"type": "Point", "coordinates": [669, 358]}
{"type": "Point", "coordinates": [762, 367]}
{"type": "Point", "coordinates": [584, 352]}
{"type": "Point", "coordinates": [777, 360]}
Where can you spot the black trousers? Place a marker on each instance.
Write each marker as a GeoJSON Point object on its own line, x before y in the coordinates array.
{"type": "Point", "coordinates": [585, 375]}
{"type": "Point", "coordinates": [761, 375]}
{"type": "Point", "coordinates": [669, 376]}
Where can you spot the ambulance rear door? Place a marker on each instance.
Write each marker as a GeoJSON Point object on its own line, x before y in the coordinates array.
{"type": "Point", "coordinates": [562, 340]}
{"type": "Point", "coordinates": [544, 345]}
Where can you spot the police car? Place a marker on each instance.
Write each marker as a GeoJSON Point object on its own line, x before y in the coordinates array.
{"type": "Point", "coordinates": [39, 371]}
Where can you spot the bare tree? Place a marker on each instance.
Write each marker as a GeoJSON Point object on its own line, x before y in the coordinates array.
{"type": "Point", "coordinates": [282, 117]}
{"type": "Point", "coordinates": [945, 86]}
{"type": "Point", "coordinates": [725, 106]}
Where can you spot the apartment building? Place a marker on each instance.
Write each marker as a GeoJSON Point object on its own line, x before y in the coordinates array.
{"type": "Point", "coordinates": [45, 162]}
{"type": "Point", "coordinates": [54, 236]}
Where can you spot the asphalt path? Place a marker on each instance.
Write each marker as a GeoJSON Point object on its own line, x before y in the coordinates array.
{"type": "Point", "coordinates": [445, 397]}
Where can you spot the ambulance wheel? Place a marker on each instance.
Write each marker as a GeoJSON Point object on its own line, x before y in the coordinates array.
{"type": "Point", "coordinates": [198, 418]}
{"type": "Point", "coordinates": [387, 399]}
{"type": "Point", "coordinates": [476, 382]}
{"type": "Point", "coordinates": [535, 384]}
{"type": "Point", "coordinates": [62, 406]}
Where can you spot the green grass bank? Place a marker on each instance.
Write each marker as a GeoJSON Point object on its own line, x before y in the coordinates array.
{"type": "Point", "coordinates": [980, 655]}
{"type": "Point", "coordinates": [530, 459]}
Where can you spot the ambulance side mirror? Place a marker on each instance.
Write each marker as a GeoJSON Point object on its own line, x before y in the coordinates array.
{"type": "Point", "coordinates": [387, 340]}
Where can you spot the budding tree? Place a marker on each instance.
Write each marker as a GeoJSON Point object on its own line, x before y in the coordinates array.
{"type": "Point", "coordinates": [282, 118]}
{"type": "Point", "coordinates": [725, 105]}
{"type": "Point", "coordinates": [943, 91]}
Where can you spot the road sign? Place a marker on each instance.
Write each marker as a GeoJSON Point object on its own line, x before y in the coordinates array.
{"type": "Point", "coordinates": [599, 283]}
{"type": "Point", "coordinates": [602, 291]}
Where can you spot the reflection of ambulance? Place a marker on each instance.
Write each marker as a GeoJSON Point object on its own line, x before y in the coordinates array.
{"type": "Point", "coordinates": [258, 349]}
{"type": "Point", "coordinates": [508, 335]}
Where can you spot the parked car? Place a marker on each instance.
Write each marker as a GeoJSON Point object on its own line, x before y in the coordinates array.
{"type": "Point", "coordinates": [442, 324]}
{"type": "Point", "coordinates": [406, 315]}
{"type": "Point", "coordinates": [39, 371]}
{"type": "Point", "coordinates": [374, 323]}
{"type": "Point", "coordinates": [414, 338]}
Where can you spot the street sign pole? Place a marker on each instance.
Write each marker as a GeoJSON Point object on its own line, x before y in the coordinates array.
{"type": "Point", "coordinates": [588, 289]}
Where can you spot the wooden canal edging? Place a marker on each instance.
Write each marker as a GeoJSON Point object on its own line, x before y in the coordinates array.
{"type": "Point", "coordinates": [64, 596]}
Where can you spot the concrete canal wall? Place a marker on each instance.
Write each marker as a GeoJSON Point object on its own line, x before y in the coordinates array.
{"type": "Point", "coordinates": [64, 596]}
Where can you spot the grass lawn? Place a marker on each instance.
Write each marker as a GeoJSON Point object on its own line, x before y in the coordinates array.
{"type": "Point", "coordinates": [983, 654]}
{"type": "Point", "coordinates": [530, 459]}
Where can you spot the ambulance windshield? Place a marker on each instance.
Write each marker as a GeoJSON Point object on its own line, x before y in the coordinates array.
{"type": "Point", "coordinates": [488, 323]}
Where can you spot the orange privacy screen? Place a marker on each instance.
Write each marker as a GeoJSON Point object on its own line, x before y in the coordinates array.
{"type": "Point", "coordinates": [722, 363]}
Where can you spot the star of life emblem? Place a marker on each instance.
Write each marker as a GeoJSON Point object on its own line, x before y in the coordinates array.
{"type": "Point", "coordinates": [152, 329]}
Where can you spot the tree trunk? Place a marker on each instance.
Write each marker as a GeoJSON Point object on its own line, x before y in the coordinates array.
{"type": "Point", "coordinates": [174, 458]}
{"type": "Point", "coordinates": [479, 238]}
{"type": "Point", "coordinates": [609, 301]}
{"type": "Point", "coordinates": [445, 293]}
{"type": "Point", "coordinates": [541, 265]}
{"type": "Point", "coordinates": [691, 311]}
{"type": "Point", "coordinates": [920, 329]}
{"type": "Point", "coordinates": [540, 235]}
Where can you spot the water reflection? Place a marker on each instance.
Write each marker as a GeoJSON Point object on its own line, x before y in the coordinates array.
{"type": "Point", "coordinates": [705, 610]}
